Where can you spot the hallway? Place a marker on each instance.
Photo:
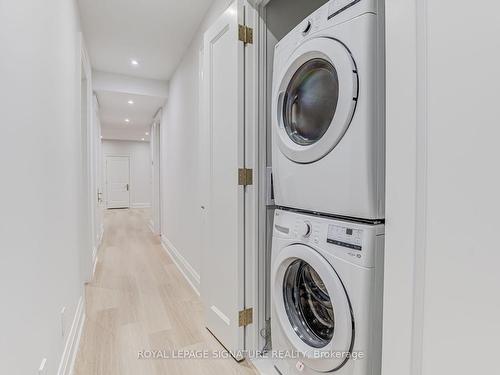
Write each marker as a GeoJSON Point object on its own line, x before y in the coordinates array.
{"type": "Point", "coordinates": [139, 301]}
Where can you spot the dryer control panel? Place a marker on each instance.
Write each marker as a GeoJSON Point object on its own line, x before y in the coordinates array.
{"type": "Point", "coordinates": [345, 236]}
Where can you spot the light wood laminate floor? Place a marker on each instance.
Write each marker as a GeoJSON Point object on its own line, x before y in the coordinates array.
{"type": "Point", "coordinates": [139, 301]}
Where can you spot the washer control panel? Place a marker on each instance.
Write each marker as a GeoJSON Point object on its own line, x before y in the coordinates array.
{"type": "Point", "coordinates": [345, 236]}
{"type": "Point", "coordinates": [354, 242]}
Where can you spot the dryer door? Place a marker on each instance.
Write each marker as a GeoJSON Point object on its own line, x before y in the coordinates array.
{"type": "Point", "coordinates": [313, 308]}
{"type": "Point", "coordinates": [315, 99]}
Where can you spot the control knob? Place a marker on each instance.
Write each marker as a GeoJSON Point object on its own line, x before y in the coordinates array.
{"type": "Point", "coordinates": [304, 229]}
{"type": "Point", "coordinates": [306, 28]}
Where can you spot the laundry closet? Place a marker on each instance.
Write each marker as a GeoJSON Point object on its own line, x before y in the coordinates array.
{"type": "Point", "coordinates": [279, 18]}
{"type": "Point", "coordinates": [323, 133]}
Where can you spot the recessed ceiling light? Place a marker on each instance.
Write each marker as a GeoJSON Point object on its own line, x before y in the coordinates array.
{"type": "Point", "coordinates": [147, 133]}
{"type": "Point", "coordinates": [130, 102]}
{"type": "Point", "coordinates": [134, 62]}
{"type": "Point", "coordinates": [142, 139]}
{"type": "Point", "coordinates": [127, 120]}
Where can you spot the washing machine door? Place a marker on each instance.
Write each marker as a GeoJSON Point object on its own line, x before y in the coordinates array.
{"type": "Point", "coordinates": [315, 99]}
{"type": "Point", "coordinates": [313, 308]}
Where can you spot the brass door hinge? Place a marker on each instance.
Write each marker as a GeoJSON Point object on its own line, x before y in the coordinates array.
{"type": "Point", "coordinates": [246, 317]}
{"type": "Point", "coordinates": [245, 176]}
{"type": "Point", "coordinates": [245, 34]}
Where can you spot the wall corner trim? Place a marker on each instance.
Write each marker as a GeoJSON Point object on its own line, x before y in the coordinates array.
{"type": "Point", "coordinates": [189, 273]}
{"type": "Point", "coordinates": [73, 342]}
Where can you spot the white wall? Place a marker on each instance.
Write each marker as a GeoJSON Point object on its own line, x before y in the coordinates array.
{"type": "Point", "coordinates": [140, 169]}
{"type": "Point", "coordinates": [41, 168]}
{"type": "Point", "coordinates": [180, 163]}
{"type": "Point", "coordinates": [442, 282]}
{"type": "Point", "coordinates": [462, 283]}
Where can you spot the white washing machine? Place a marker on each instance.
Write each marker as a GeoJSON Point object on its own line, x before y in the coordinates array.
{"type": "Point", "coordinates": [326, 295]}
{"type": "Point", "coordinates": [328, 114]}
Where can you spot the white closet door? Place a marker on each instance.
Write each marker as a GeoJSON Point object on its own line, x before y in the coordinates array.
{"type": "Point", "coordinates": [222, 273]}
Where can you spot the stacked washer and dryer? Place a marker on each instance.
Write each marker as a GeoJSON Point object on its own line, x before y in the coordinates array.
{"type": "Point", "coordinates": [328, 170]}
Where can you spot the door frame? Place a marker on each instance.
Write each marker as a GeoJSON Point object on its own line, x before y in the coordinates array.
{"type": "Point", "coordinates": [89, 150]}
{"type": "Point", "coordinates": [98, 175]}
{"type": "Point", "coordinates": [156, 201]}
{"type": "Point", "coordinates": [256, 267]}
{"type": "Point", "coordinates": [252, 192]}
{"type": "Point", "coordinates": [406, 38]}
{"type": "Point", "coordinates": [106, 155]}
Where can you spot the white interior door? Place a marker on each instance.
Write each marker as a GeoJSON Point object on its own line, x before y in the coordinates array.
{"type": "Point", "coordinates": [222, 273]}
{"type": "Point", "coordinates": [118, 181]}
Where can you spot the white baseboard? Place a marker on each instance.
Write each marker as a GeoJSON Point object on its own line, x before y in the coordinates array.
{"type": "Point", "coordinates": [94, 252]}
{"type": "Point", "coordinates": [73, 342]}
{"type": "Point", "coordinates": [183, 265]}
{"type": "Point", "coordinates": [151, 226]}
{"type": "Point", "coordinates": [101, 235]}
{"type": "Point", "coordinates": [140, 205]}
{"type": "Point", "coordinates": [94, 260]}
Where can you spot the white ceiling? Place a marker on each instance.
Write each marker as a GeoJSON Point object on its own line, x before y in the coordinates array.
{"type": "Point", "coordinates": [154, 32]}
{"type": "Point", "coordinates": [114, 109]}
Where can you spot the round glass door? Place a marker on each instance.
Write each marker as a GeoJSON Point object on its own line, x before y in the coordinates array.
{"type": "Point", "coordinates": [314, 99]}
{"type": "Point", "coordinates": [308, 305]}
{"type": "Point", "coordinates": [310, 101]}
{"type": "Point", "coordinates": [312, 307]}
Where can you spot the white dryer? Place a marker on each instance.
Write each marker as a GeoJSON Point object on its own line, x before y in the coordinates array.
{"type": "Point", "coordinates": [328, 112]}
{"type": "Point", "coordinates": [326, 295]}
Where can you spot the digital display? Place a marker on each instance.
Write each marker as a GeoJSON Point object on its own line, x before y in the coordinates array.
{"type": "Point", "coordinates": [345, 237]}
